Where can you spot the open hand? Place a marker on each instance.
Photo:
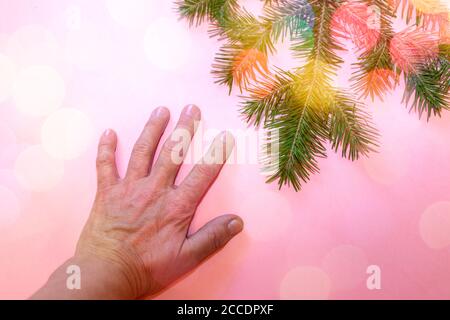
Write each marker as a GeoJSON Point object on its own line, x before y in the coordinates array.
{"type": "Point", "coordinates": [136, 240]}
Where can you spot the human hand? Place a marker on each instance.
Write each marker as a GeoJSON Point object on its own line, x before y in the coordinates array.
{"type": "Point", "coordinates": [136, 240]}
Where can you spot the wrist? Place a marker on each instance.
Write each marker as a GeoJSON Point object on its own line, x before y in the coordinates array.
{"type": "Point", "coordinates": [86, 277]}
{"type": "Point", "coordinates": [101, 278]}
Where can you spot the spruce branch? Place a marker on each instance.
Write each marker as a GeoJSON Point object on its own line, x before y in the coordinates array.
{"type": "Point", "coordinates": [198, 11]}
{"type": "Point", "coordinates": [325, 43]}
{"type": "Point", "coordinates": [289, 18]}
{"type": "Point", "coordinates": [412, 47]}
{"type": "Point", "coordinates": [236, 64]}
{"type": "Point", "coordinates": [427, 90]}
{"type": "Point", "coordinates": [303, 130]}
{"type": "Point", "coordinates": [315, 111]}
{"type": "Point", "coordinates": [302, 134]}
{"type": "Point", "coordinates": [351, 129]}
{"type": "Point", "coordinates": [250, 40]}
{"type": "Point", "coordinates": [374, 72]}
{"type": "Point", "coordinates": [354, 21]}
{"type": "Point", "coordinates": [427, 14]}
{"type": "Point", "coordinates": [244, 57]}
{"type": "Point", "coordinates": [302, 110]}
{"type": "Point", "coordinates": [265, 97]}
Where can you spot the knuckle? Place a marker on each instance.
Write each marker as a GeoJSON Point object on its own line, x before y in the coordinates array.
{"type": "Point", "coordinates": [171, 145]}
{"type": "Point", "coordinates": [175, 150]}
{"type": "Point", "coordinates": [141, 148]}
{"type": "Point", "coordinates": [105, 194]}
{"type": "Point", "coordinates": [182, 207]}
{"type": "Point", "coordinates": [104, 158]}
{"type": "Point", "coordinates": [206, 171]}
{"type": "Point", "coordinates": [215, 240]}
{"type": "Point", "coordinates": [179, 211]}
{"type": "Point", "coordinates": [179, 138]}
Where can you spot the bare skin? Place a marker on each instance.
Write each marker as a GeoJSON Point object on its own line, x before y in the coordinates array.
{"type": "Point", "coordinates": [136, 242]}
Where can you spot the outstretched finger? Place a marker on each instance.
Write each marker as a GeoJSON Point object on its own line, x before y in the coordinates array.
{"type": "Point", "coordinates": [144, 150]}
{"type": "Point", "coordinates": [175, 148]}
{"type": "Point", "coordinates": [107, 173]}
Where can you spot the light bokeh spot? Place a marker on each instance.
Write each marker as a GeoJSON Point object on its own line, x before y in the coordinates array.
{"type": "Point", "coordinates": [305, 283]}
{"type": "Point", "coordinates": [9, 145]}
{"type": "Point", "coordinates": [7, 73]}
{"type": "Point", "coordinates": [38, 90]}
{"type": "Point", "coordinates": [434, 225]}
{"type": "Point", "coordinates": [346, 265]}
{"type": "Point", "coordinates": [132, 13]}
{"type": "Point", "coordinates": [36, 170]}
{"type": "Point", "coordinates": [66, 134]}
{"type": "Point", "coordinates": [386, 167]}
{"type": "Point", "coordinates": [9, 207]}
{"type": "Point", "coordinates": [431, 6]}
{"type": "Point", "coordinates": [34, 45]}
{"type": "Point", "coordinates": [167, 44]}
{"type": "Point", "coordinates": [267, 215]}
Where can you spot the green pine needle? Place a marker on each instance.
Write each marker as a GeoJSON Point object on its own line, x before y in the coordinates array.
{"type": "Point", "coordinates": [302, 134]}
{"type": "Point", "coordinates": [428, 89]}
{"type": "Point", "coordinates": [351, 129]}
{"type": "Point", "coordinates": [302, 110]}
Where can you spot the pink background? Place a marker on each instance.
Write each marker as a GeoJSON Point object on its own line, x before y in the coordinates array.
{"type": "Point", "coordinates": [100, 60]}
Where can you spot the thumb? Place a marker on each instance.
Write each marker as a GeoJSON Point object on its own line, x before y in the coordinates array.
{"type": "Point", "coordinates": [209, 239]}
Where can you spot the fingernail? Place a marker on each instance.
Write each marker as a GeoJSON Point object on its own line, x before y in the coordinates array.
{"type": "Point", "coordinates": [107, 132]}
{"type": "Point", "coordinates": [191, 109]}
{"type": "Point", "coordinates": [158, 112]}
{"type": "Point", "coordinates": [235, 226]}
